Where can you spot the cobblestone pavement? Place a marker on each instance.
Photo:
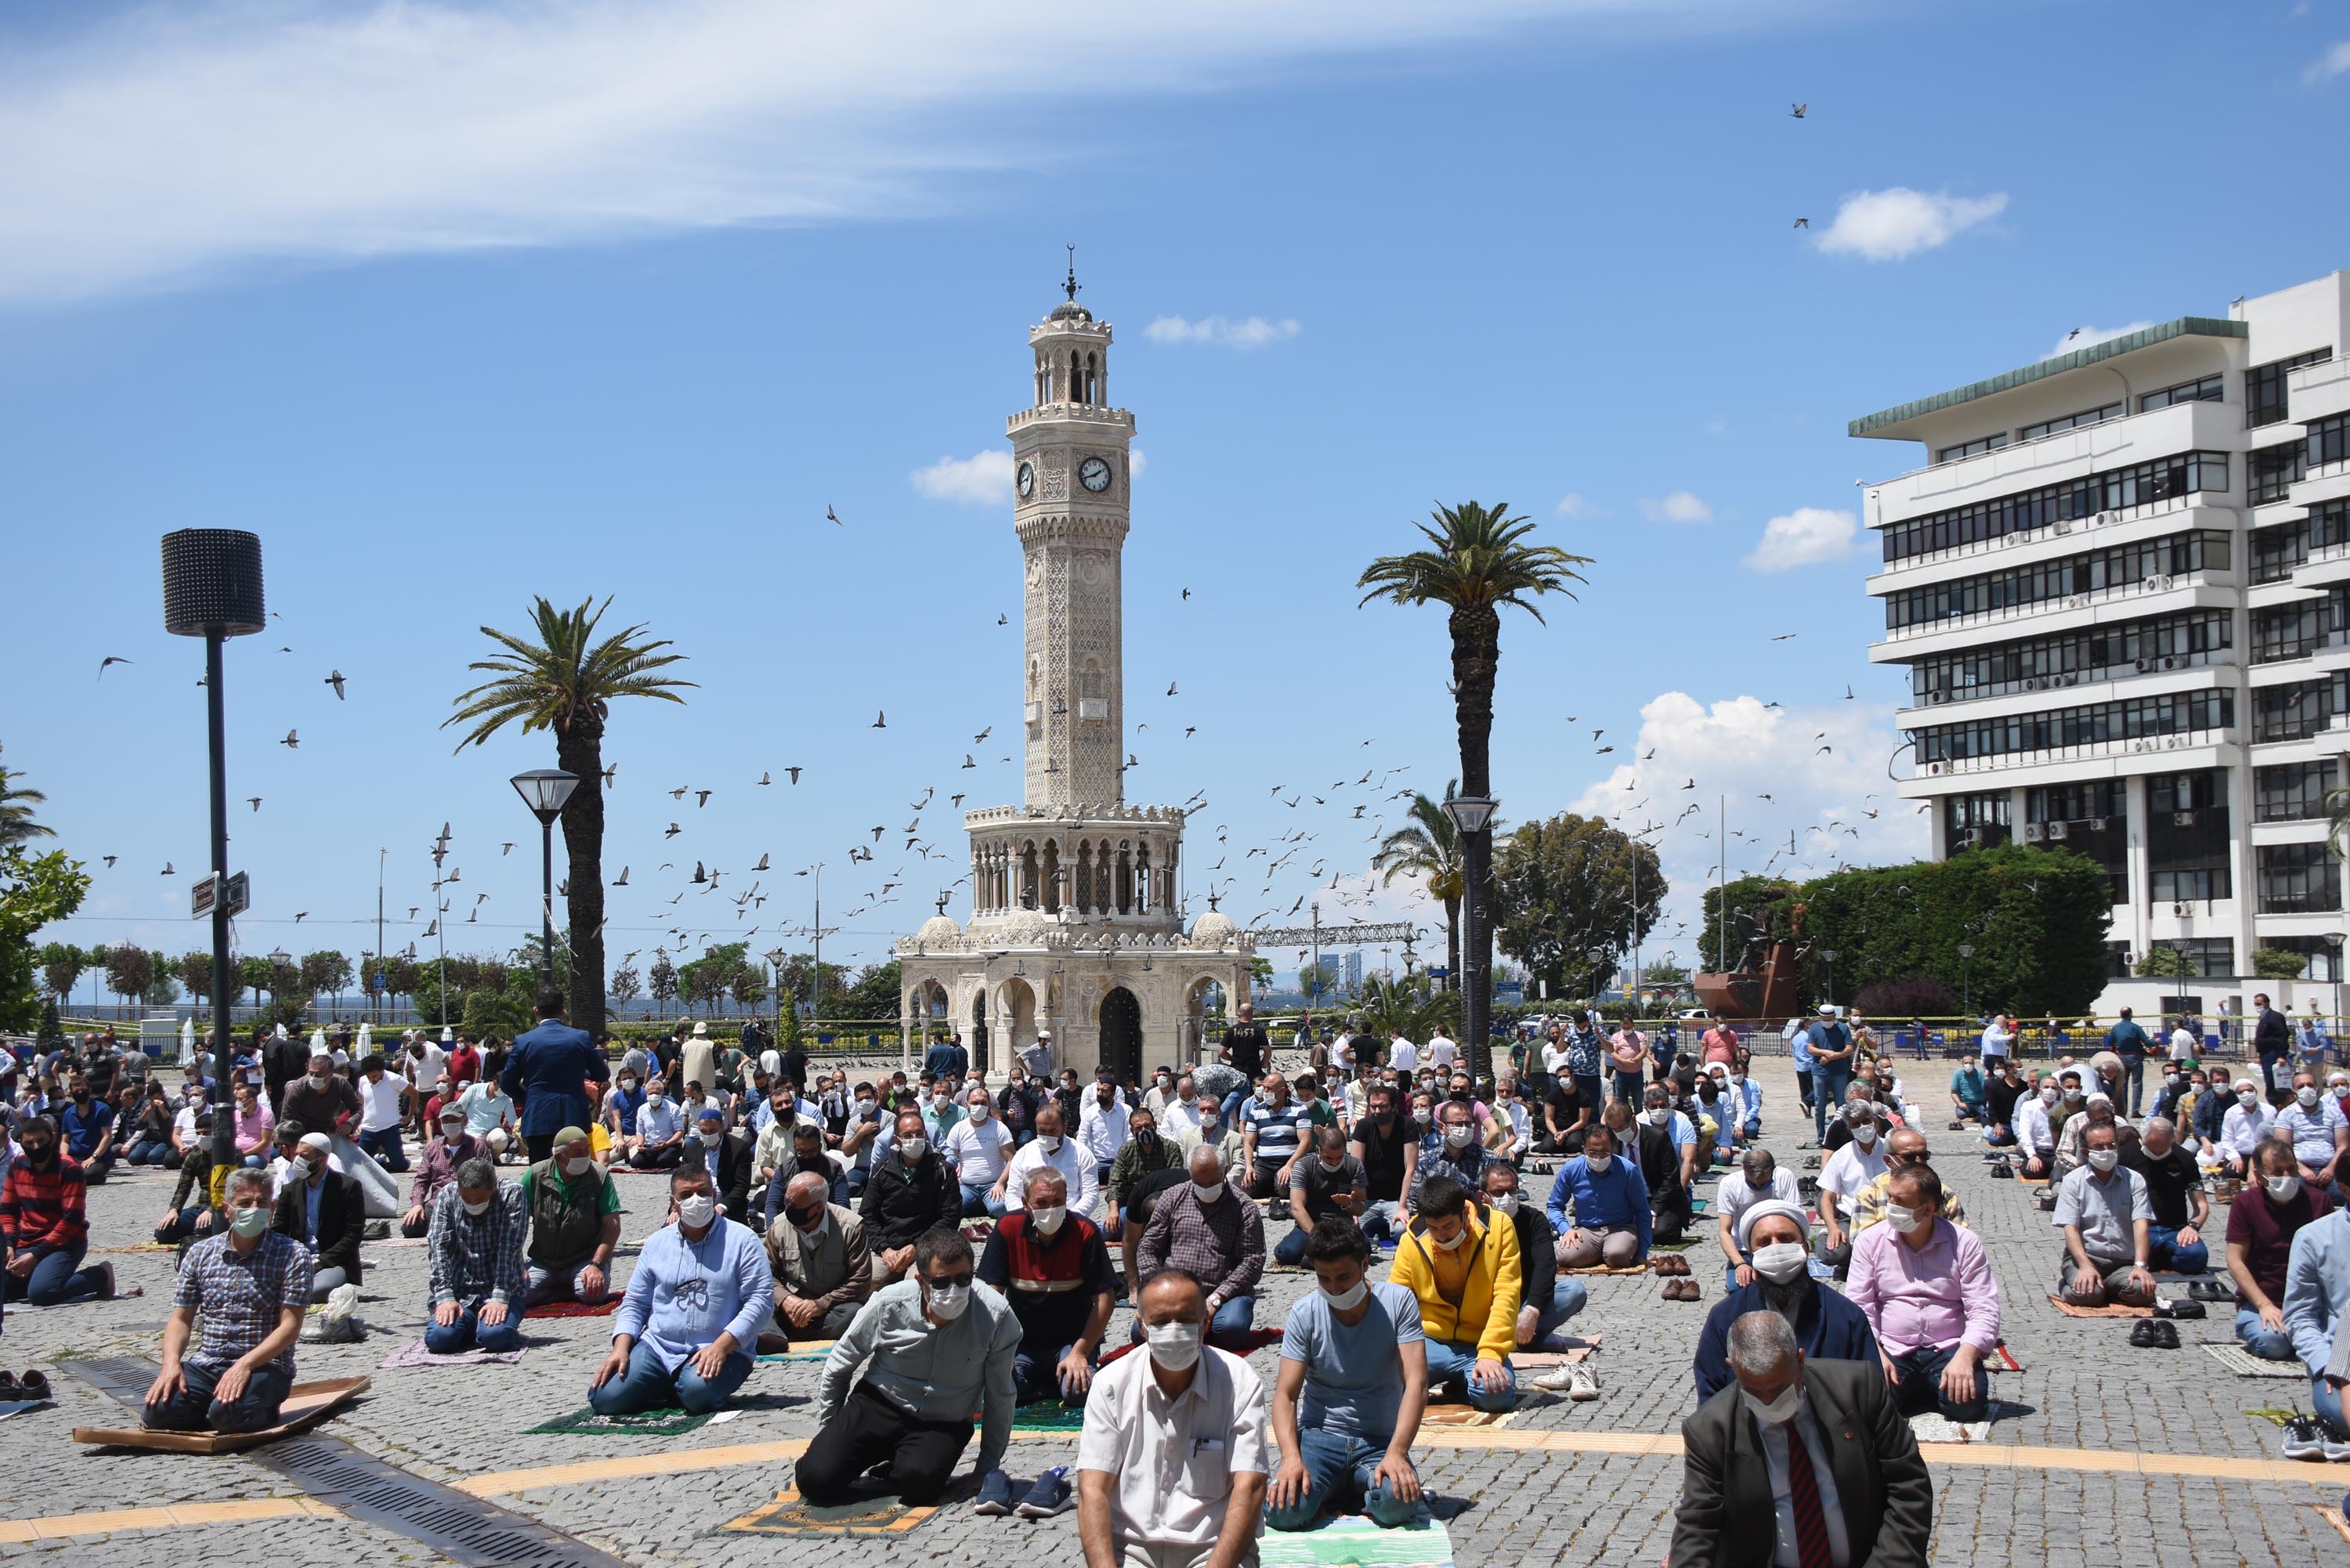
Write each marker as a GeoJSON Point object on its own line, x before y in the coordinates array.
{"type": "Point", "coordinates": [2083, 1388]}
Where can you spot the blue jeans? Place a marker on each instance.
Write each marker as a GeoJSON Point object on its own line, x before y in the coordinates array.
{"type": "Point", "coordinates": [193, 1408]}
{"type": "Point", "coordinates": [1036, 1372]}
{"type": "Point", "coordinates": [541, 1285]}
{"type": "Point", "coordinates": [1230, 1330]}
{"type": "Point", "coordinates": [648, 1385]}
{"type": "Point", "coordinates": [1337, 1469]}
{"type": "Point", "coordinates": [182, 1227]}
{"type": "Point", "coordinates": [1829, 1081]}
{"type": "Point", "coordinates": [149, 1151]}
{"type": "Point", "coordinates": [1567, 1297]}
{"type": "Point", "coordinates": [2133, 1074]}
{"type": "Point", "coordinates": [1378, 1223]}
{"type": "Point", "coordinates": [2325, 1401]}
{"type": "Point", "coordinates": [1630, 1088]}
{"type": "Point", "coordinates": [1977, 1111]}
{"type": "Point", "coordinates": [1921, 1387]}
{"type": "Point", "coordinates": [2269, 1345]}
{"type": "Point", "coordinates": [1290, 1251]}
{"type": "Point", "coordinates": [2163, 1251]}
{"type": "Point", "coordinates": [56, 1279]}
{"type": "Point", "coordinates": [470, 1333]}
{"type": "Point", "coordinates": [978, 1200]}
{"type": "Point", "coordinates": [1449, 1363]}
{"type": "Point", "coordinates": [384, 1145]}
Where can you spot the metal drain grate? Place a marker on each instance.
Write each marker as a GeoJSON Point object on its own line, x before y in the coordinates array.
{"type": "Point", "coordinates": [466, 1530]}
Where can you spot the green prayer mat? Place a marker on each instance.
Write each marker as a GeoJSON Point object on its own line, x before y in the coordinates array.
{"type": "Point", "coordinates": [1046, 1416]}
{"type": "Point", "coordinates": [1353, 1539]}
{"type": "Point", "coordinates": [644, 1424]}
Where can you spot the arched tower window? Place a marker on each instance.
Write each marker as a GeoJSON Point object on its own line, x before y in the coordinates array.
{"type": "Point", "coordinates": [1028, 876]}
{"type": "Point", "coordinates": [1125, 881]}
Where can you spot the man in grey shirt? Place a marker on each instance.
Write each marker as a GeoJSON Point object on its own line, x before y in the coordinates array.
{"type": "Point", "coordinates": [940, 1347]}
{"type": "Point", "coordinates": [2104, 1210]}
{"type": "Point", "coordinates": [1327, 1181]}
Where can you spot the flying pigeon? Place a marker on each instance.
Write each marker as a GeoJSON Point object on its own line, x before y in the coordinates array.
{"type": "Point", "coordinates": [291, 742]}
{"type": "Point", "coordinates": [761, 865]}
{"type": "Point", "coordinates": [110, 860]}
{"type": "Point", "coordinates": [254, 800]}
{"type": "Point", "coordinates": [832, 517]}
{"type": "Point", "coordinates": [335, 680]}
{"type": "Point", "coordinates": [507, 847]}
{"type": "Point", "coordinates": [766, 778]}
{"type": "Point", "coordinates": [795, 772]}
{"type": "Point", "coordinates": [609, 770]}
{"type": "Point", "coordinates": [622, 880]}
{"type": "Point", "coordinates": [1799, 109]}
{"type": "Point", "coordinates": [110, 658]}
{"type": "Point", "coordinates": [673, 831]}
{"type": "Point", "coordinates": [880, 720]}
{"type": "Point", "coordinates": [702, 798]}
{"type": "Point", "coordinates": [167, 869]}
{"type": "Point", "coordinates": [301, 915]}
{"type": "Point", "coordinates": [680, 791]}
{"type": "Point", "coordinates": [1170, 688]}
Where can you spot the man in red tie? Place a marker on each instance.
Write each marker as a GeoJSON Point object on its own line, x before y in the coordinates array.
{"type": "Point", "coordinates": [1818, 1446]}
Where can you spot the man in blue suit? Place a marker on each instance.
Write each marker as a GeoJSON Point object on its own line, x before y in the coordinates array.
{"type": "Point", "coordinates": [549, 1072]}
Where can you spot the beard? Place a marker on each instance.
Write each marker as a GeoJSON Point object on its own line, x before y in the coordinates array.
{"type": "Point", "coordinates": [1785, 1299]}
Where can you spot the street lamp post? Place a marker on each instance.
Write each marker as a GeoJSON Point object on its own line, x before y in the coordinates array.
{"type": "Point", "coordinates": [1830, 955]}
{"type": "Point", "coordinates": [1470, 816]}
{"type": "Point", "coordinates": [545, 790]}
{"type": "Point", "coordinates": [1966, 981]}
{"type": "Point", "coordinates": [2334, 939]}
{"type": "Point", "coordinates": [777, 958]}
{"type": "Point", "coordinates": [278, 961]}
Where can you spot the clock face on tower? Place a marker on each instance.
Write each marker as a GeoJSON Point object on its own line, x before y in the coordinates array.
{"type": "Point", "coordinates": [1026, 480]}
{"type": "Point", "coordinates": [1094, 475]}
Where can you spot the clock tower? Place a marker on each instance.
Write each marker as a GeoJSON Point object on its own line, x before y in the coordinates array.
{"type": "Point", "coordinates": [1071, 496]}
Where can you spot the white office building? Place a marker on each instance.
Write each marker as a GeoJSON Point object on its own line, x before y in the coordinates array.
{"type": "Point", "coordinates": [2120, 581]}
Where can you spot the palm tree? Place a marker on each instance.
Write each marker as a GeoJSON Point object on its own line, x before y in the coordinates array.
{"type": "Point", "coordinates": [1429, 847]}
{"type": "Point", "coordinates": [16, 825]}
{"type": "Point", "coordinates": [566, 682]}
{"type": "Point", "coordinates": [1479, 561]}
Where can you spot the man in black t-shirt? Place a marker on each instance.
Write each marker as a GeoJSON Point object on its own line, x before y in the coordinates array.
{"type": "Point", "coordinates": [2002, 1088]}
{"type": "Point", "coordinates": [1564, 1115]}
{"type": "Point", "coordinates": [1386, 1142]}
{"type": "Point", "coordinates": [2174, 1190]}
{"type": "Point", "coordinates": [1247, 1048]}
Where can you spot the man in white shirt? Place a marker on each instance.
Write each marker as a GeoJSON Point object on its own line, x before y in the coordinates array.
{"type": "Point", "coordinates": [424, 1063]}
{"type": "Point", "coordinates": [2248, 1122]}
{"type": "Point", "coordinates": [2316, 1127]}
{"type": "Point", "coordinates": [1171, 1463]}
{"type": "Point", "coordinates": [1104, 1121]}
{"type": "Point", "coordinates": [1848, 1169]}
{"type": "Point", "coordinates": [1998, 1038]}
{"type": "Point", "coordinates": [1048, 1148]}
{"type": "Point", "coordinates": [979, 1148]}
{"type": "Point", "coordinates": [383, 1108]}
{"type": "Point", "coordinates": [2182, 1043]}
{"type": "Point", "coordinates": [1402, 1056]}
{"type": "Point", "coordinates": [660, 1142]}
{"type": "Point", "coordinates": [1441, 1051]}
{"type": "Point", "coordinates": [1183, 1112]}
{"type": "Point", "coordinates": [1757, 1179]}
{"type": "Point", "coordinates": [2035, 1138]}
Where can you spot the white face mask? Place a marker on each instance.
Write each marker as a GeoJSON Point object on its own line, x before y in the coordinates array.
{"type": "Point", "coordinates": [318, 1080]}
{"type": "Point", "coordinates": [1780, 1261]}
{"type": "Point", "coordinates": [1505, 1203]}
{"type": "Point", "coordinates": [1599, 1164]}
{"type": "Point", "coordinates": [2248, 1099]}
{"type": "Point", "coordinates": [452, 1131]}
{"type": "Point", "coordinates": [977, 1113]}
{"type": "Point", "coordinates": [476, 1210]}
{"type": "Point", "coordinates": [2307, 1095]}
{"type": "Point", "coordinates": [1048, 1220]}
{"type": "Point", "coordinates": [1049, 1142]}
{"type": "Point", "coordinates": [2047, 1096]}
{"type": "Point", "coordinates": [1348, 1300]}
{"type": "Point", "coordinates": [912, 1149]}
{"type": "Point", "coordinates": [580, 1167]}
{"type": "Point", "coordinates": [1864, 1134]}
{"type": "Point", "coordinates": [696, 1211]}
{"type": "Point", "coordinates": [864, 1108]}
{"type": "Point", "coordinates": [1661, 1115]}
{"type": "Point", "coordinates": [1778, 1412]}
{"type": "Point", "coordinates": [1209, 1194]}
{"type": "Point", "coordinates": [2074, 1096]}
{"type": "Point", "coordinates": [2103, 1160]}
{"type": "Point", "coordinates": [1738, 1077]}
{"type": "Point", "coordinates": [1903, 1218]}
{"type": "Point", "coordinates": [1459, 1136]}
{"type": "Point", "coordinates": [949, 1303]}
{"type": "Point", "coordinates": [1174, 1346]}
{"type": "Point", "coordinates": [1459, 1238]}
{"type": "Point", "coordinates": [2283, 1189]}
{"type": "Point", "coordinates": [1333, 1166]}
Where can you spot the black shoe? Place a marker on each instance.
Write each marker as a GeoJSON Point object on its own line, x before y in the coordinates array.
{"type": "Point", "coordinates": [2186, 1309]}
{"type": "Point", "coordinates": [2141, 1333]}
{"type": "Point", "coordinates": [2166, 1333]}
{"type": "Point", "coordinates": [34, 1384]}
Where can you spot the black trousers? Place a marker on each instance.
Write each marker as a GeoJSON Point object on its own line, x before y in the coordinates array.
{"type": "Point", "coordinates": [541, 1146]}
{"type": "Point", "coordinates": [868, 1429]}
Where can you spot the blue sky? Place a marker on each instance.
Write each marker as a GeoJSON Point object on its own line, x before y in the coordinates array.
{"type": "Point", "coordinates": [458, 304]}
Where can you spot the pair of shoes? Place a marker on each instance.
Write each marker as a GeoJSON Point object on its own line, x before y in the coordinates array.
{"type": "Point", "coordinates": [10, 1390]}
{"type": "Point", "coordinates": [2303, 1440]}
{"type": "Point", "coordinates": [994, 1498]}
{"type": "Point", "coordinates": [2154, 1334]}
{"type": "Point", "coordinates": [1668, 1265]}
{"type": "Point", "coordinates": [1957, 1126]}
{"type": "Point", "coordinates": [1049, 1496]}
{"type": "Point", "coordinates": [1682, 1291]}
{"type": "Point", "coordinates": [2210, 1291]}
{"type": "Point", "coordinates": [1574, 1380]}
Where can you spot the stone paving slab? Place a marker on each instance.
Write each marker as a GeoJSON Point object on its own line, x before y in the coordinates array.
{"type": "Point", "coordinates": [2083, 1388]}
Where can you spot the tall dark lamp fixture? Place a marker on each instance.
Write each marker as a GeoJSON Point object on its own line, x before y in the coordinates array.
{"type": "Point", "coordinates": [212, 589]}
{"type": "Point", "coordinates": [1470, 816]}
{"type": "Point", "coordinates": [545, 790]}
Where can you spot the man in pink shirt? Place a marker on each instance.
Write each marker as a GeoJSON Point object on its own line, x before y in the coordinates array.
{"type": "Point", "coordinates": [1927, 1290]}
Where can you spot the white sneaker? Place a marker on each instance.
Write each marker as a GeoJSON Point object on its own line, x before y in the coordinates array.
{"type": "Point", "coordinates": [341, 1302]}
{"type": "Point", "coordinates": [1583, 1384]}
{"type": "Point", "coordinates": [2336, 1450]}
{"type": "Point", "coordinates": [1560, 1379]}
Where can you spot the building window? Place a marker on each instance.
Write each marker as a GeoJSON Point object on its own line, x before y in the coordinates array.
{"type": "Point", "coordinates": [2203, 550]}
{"type": "Point", "coordinates": [1973, 448]}
{"type": "Point", "coordinates": [2174, 713]}
{"type": "Point", "coordinates": [2094, 653]}
{"type": "Point", "coordinates": [2264, 386]}
{"type": "Point", "coordinates": [2329, 441]}
{"type": "Point", "coordinates": [2140, 484]}
{"type": "Point", "coordinates": [2091, 819]}
{"type": "Point", "coordinates": [1977, 821]}
{"type": "Point", "coordinates": [2295, 631]}
{"type": "Point", "coordinates": [2299, 879]}
{"type": "Point", "coordinates": [2295, 792]}
{"type": "Point", "coordinates": [2209, 390]}
{"type": "Point", "coordinates": [2276, 550]}
{"type": "Point", "coordinates": [2188, 837]}
{"type": "Point", "coordinates": [2270, 471]}
{"type": "Point", "coordinates": [2071, 422]}
{"type": "Point", "coordinates": [2209, 958]}
{"type": "Point", "coordinates": [2324, 958]}
{"type": "Point", "coordinates": [2297, 712]}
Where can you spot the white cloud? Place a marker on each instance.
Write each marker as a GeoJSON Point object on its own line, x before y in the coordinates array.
{"type": "Point", "coordinates": [1889, 224]}
{"type": "Point", "coordinates": [2090, 336]}
{"type": "Point", "coordinates": [1136, 463]}
{"type": "Point", "coordinates": [983, 479]}
{"type": "Point", "coordinates": [1804, 537]}
{"type": "Point", "coordinates": [1253, 332]}
{"type": "Point", "coordinates": [2329, 65]}
{"type": "Point", "coordinates": [1681, 506]}
{"type": "Point", "coordinates": [1735, 751]}
{"type": "Point", "coordinates": [1574, 503]}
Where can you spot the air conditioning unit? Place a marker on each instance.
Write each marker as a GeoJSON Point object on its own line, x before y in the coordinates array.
{"type": "Point", "coordinates": [2072, 678]}
{"type": "Point", "coordinates": [2063, 526]}
{"type": "Point", "coordinates": [2034, 833]}
{"type": "Point", "coordinates": [2030, 683]}
{"type": "Point", "coordinates": [2179, 909]}
{"type": "Point", "coordinates": [2174, 741]}
{"type": "Point", "coordinates": [2096, 824]}
{"type": "Point", "coordinates": [2144, 665]}
{"type": "Point", "coordinates": [2058, 831]}
{"type": "Point", "coordinates": [2165, 579]}
{"type": "Point", "coordinates": [1937, 697]}
{"type": "Point", "coordinates": [1932, 768]}
{"type": "Point", "coordinates": [2182, 819]}
{"type": "Point", "coordinates": [2150, 584]}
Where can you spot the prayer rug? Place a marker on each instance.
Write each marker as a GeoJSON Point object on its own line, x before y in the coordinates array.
{"type": "Point", "coordinates": [604, 1308]}
{"type": "Point", "coordinates": [1577, 1351]}
{"type": "Point", "coordinates": [1354, 1541]}
{"type": "Point", "coordinates": [413, 1354]}
{"type": "Point", "coordinates": [805, 1350]}
{"type": "Point", "coordinates": [306, 1405]}
{"type": "Point", "coordinates": [2272, 1416]}
{"type": "Point", "coordinates": [1044, 1416]}
{"type": "Point", "coordinates": [2243, 1363]}
{"type": "Point", "coordinates": [644, 1424]}
{"type": "Point", "coordinates": [1604, 1268]}
{"type": "Point", "coordinates": [1934, 1428]}
{"type": "Point", "coordinates": [877, 1514]}
{"type": "Point", "coordinates": [142, 1247]}
{"type": "Point", "coordinates": [2069, 1310]}
{"type": "Point", "coordinates": [1464, 1415]}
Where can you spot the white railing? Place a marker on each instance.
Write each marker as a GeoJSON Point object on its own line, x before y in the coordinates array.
{"type": "Point", "coordinates": [2161, 583]}
{"type": "Point", "coordinates": [2133, 747]}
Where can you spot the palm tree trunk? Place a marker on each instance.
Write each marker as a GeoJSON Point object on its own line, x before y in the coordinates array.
{"type": "Point", "coordinates": [1476, 651]}
{"type": "Point", "coordinates": [1452, 944]}
{"type": "Point", "coordinates": [579, 751]}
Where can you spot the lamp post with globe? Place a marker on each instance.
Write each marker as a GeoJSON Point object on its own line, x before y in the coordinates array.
{"type": "Point", "coordinates": [545, 790]}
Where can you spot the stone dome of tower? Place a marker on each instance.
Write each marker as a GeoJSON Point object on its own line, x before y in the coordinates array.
{"type": "Point", "coordinates": [1213, 929]}
{"type": "Point", "coordinates": [940, 928]}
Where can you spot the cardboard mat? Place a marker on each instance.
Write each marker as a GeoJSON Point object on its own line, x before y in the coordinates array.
{"type": "Point", "coordinates": [879, 1513]}
{"type": "Point", "coordinates": [413, 1354]}
{"type": "Point", "coordinates": [1604, 1268]}
{"type": "Point", "coordinates": [805, 1350]}
{"type": "Point", "coordinates": [306, 1405]}
{"type": "Point", "coordinates": [2244, 1363]}
{"type": "Point", "coordinates": [1353, 1539]}
{"type": "Point", "coordinates": [1437, 1414]}
{"type": "Point", "coordinates": [2069, 1310]}
{"type": "Point", "coordinates": [644, 1424]}
{"type": "Point", "coordinates": [604, 1308]}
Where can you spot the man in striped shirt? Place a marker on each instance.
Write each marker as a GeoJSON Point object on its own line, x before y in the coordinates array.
{"type": "Point", "coordinates": [45, 1215]}
{"type": "Point", "coordinates": [479, 1226]}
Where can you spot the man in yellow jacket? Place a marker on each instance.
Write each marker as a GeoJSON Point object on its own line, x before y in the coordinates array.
{"type": "Point", "coordinates": [1467, 1277]}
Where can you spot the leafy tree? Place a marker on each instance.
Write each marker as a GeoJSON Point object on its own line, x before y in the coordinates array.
{"type": "Point", "coordinates": [162, 988]}
{"type": "Point", "coordinates": [2279, 963]}
{"type": "Point", "coordinates": [1660, 976]}
{"type": "Point", "coordinates": [626, 984]}
{"type": "Point", "coordinates": [661, 980]}
{"type": "Point", "coordinates": [1564, 891]}
{"type": "Point", "coordinates": [877, 992]}
{"type": "Point", "coordinates": [1316, 980]}
{"type": "Point", "coordinates": [1911, 996]}
{"type": "Point", "coordinates": [18, 827]}
{"type": "Point", "coordinates": [250, 971]}
{"type": "Point", "coordinates": [52, 1035]}
{"type": "Point", "coordinates": [494, 1012]}
{"type": "Point", "coordinates": [61, 965]}
{"type": "Point", "coordinates": [1260, 971]}
{"type": "Point", "coordinates": [709, 978]}
{"type": "Point", "coordinates": [1409, 1003]}
{"type": "Point", "coordinates": [788, 1034]}
{"type": "Point", "coordinates": [34, 889]}
{"type": "Point", "coordinates": [2165, 962]}
{"type": "Point", "coordinates": [1478, 562]}
{"type": "Point", "coordinates": [749, 986]}
{"type": "Point", "coordinates": [1429, 847]}
{"type": "Point", "coordinates": [566, 682]}
{"type": "Point", "coordinates": [327, 972]}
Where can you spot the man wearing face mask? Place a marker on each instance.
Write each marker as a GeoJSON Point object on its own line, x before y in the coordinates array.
{"type": "Point", "coordinates": [1354, 1365]}
{"type": "Point", "coordinates": [2262, 1222]}
{"type": "Point", "coordinates": [1464, 1269]}
{"type": "Point", "coordinates": [939, 1347]}
{"type": "Point", "coordinates": [2272, 1040]}
{"type": "Point", "coordinates": [2105, 1214]}
{"type": "Point", "coordinates": [86, 1126]}
{"type": "Point", "coordinates": [817, 1251]}
{"type": "Point", "coordinates": [1849, 1169]}
{"type": "Point", "coordinates": [912, 1191]}
{"type": "Point", "coordinates": [1325, 1183]}
{"type": "Point", "coordinates": [1614, 1223]}
{"type": "Point", "coordinates": [1052, 1268]}
{"type": "Point", "coordinates": [1773, 1236]}
{"type": "Point", "coordinates": [1386, 1144]}
{"type": "Point", "coordinates": [2316, 1300]}
{"type": "Point", "coordinates": [1273, 1129]}
{"type": "Point", "coordinates": [324, 1100]}
{"type": "Point", "coordinates": [690, 1316]}
{"type": "Point", "coordinates": [476, 1292]}
{"type": "Point", "coordinates": [2317, 1128]}
{"type": "Point", "coordinates": [1102, 1125]}
{"type": "Point", "coordinates": [251, 1286]}
{"type": "Point", "coordinates": [1453, 1153]}
{"type": "Point", "coordinates": [1821, 1443]}
{"type": "Point", "coordinates": [323, 1210]}
{"type": "Point", "coordinates": [1050, 1149]}
{"type": "Point", "coordinates": [552, 1072]}
{"type": "Point", "coordinates": [979, 1148]}
{"type": "Point", "coordinates": [1925, 1286]}
{"type": "Point", "coordinates": [2174, 1187]}
{"type": "Point", "coordinates": [1216, 1236]}
{"type": "Point", "coordinates": [2244, 1128]}
{"type": "Point", "coordinates": [1757, 1179]}
{"type": "Point", "coordinates": [574, 1223]}
{"type": "Point", "coordinates": [1904, 1151]}
{"type": "Point", "coordinates": [1544, 1301]}
{"type": "Point", "coordinates": [2036, 1133]}
{"type": "Point", "coordinates": [1146, 1152]}
{"type": "Point", "coordinates": [44, 1217]}
{"type": "Point", "coordinates": [1666, 1146]}
{"type": "Point", "coordinates": [723, 1157]}
{"type": "Point", "coordinates": [1171, 1464]}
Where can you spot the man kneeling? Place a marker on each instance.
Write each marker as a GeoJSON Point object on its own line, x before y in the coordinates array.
{"type": "Point", "coordinates": [1356, 1353]}
{"type": "Point", "coordinates": [2105, 1214]}
{"type": "Point", "coordinates": [941, 1347]}
{"type": "Point", "coordinates": [251, 1284]}
{"type": "Point", "coordinates": [1052, 1268]}
{"type": "Point", "coordinates": [477, 1265]}
{"type": "Point", "coordinates": [692, 1312]}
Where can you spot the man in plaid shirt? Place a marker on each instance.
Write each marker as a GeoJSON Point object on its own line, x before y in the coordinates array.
{"type": "Point", "coordinates": [479, 1227]}
{"type": "Point", "coordinates": [251, 1284]}
{"type": "Point", "coordinates": [1215, 1235]}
